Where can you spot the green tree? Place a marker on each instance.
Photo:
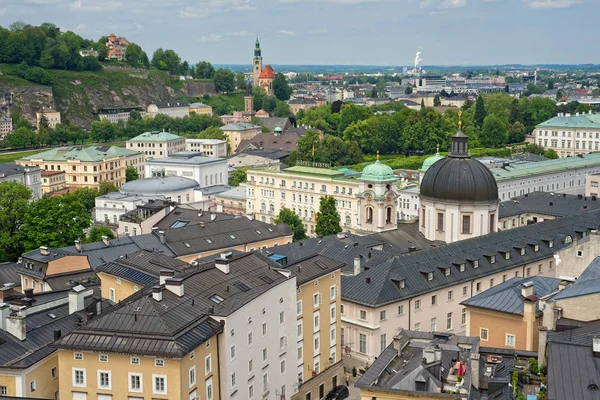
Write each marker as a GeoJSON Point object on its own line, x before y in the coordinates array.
{"type": "Point", "coordinates": [224, 81]}
{"type": "Point", "coordinates": [408, 90]}
{"type": "Point", "coordinates": [480, 112]}
{"type": "Point", "coordinates": [238, 176]}
{"type": "Point", "coordinates": [281, 89]}
{"type": "Point", "coordinates": [328, 219]}
{"type": "Point", "coordinates": [282, 109]}
{"type": "Point", "coordinates": [131, 174]}
{"type": "Point", "coordinates": [437, 101]}
{"type": "Point", "coordinates": [493, 132]}
{"type": "Point", "coordinates": [289, 217]}
{"type": "Point", "coordinates": [103, 131]}
{"type": "Point", "coordinates": [14, 200]}
{"type": "Point", "coordinates": [240, 81]}
{"type": "Point", "coordinates": [96, 233]}
{"type": "Point", "coordinates": [551, 154]}
{"type": "Point", "coordinates": [468, 104]}
{"type": "Point", "coordinates": [534, 149]}
{"type": "Point", "coordinates": [515, 112]}
{"type": "Point", "coordinates": [43, 122]}
{"type": "Point", "coordinates": [516, 132]}
{"type": "Point", "coordinates": [135, 56]}
{"type": "Point", "coordinates": [87, 197]}
{"type": "Point", "coordinates": [106, 187]}
{"type": "Point", "coordinates": [205, 70]}
{"type": "Point", "coordinates": [351, 113]}
{"type": "Point", "coordinates": [21, 138]}
{"type": "Point", "coordinates": [583, 108]}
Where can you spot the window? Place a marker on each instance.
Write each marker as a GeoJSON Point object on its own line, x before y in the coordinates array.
{"type": "Point", "coordinates": [332, 312]}
{"type": "Point", "coordinates": [159, 362]}
{"type": "Point", "coordinates": [32, 386]}
{"type": "Point", "coordinates": [282, 366]}
{"type": "Point", "coordinates": [332, 292]}
{"type": "Point", "coordinates": [382, 342]}
{"type": "Point", "coordinates": [417, 304]}
{"type": "Point", "coordinates": [265, 383]}
{"type": "Point", "coordinates": [209, 389]}
{"type": "Point", "coordinates": [232, 352]}
{"type": "Point", "coordinates": [3, 390]}
{"type": "Point", "coordinates": [401, 310]}
{"type": "Point", "coordinates": [507, 255]}
{"type": "Point", "coordinates": [111, 294]}
{"type": "Point", "coordinates": [362, 346]}
{"type": "Point", "coordinates": [251, 391]}
{"type": "Point", "coordinates": [478, 287]}
{"type": "Point", "coordinates": [483, 333]}
{"type": "Point", "coordinates": [233, 379]}
{"type": "Point", "coordinates": [135, 382]}
{"type": "Point", "coordinates": [207, 365]}
{"type": "Point", "coordinates": [192, 355]}
{"type": "Point", "coordinates": [160, 384]}
{"type": "Point", "coordinates": [579, 253]}
{"type": "Point", "coordinates": [464, 291]}
{"type": "Point", "coordinates": [382, 315]}
{"type": "Point", "coordinates": [342, 309]}
{"type": "Point", "coordinates": [282, 342]}
{"type": "Point", "coordinates": [78, 356]}
{"type": "Point", "coordinates": [53, 372]}
{"type": "Point", "coordinates": [418, 326]}
{"type": "Point", "coordinates": [491, 282]}
{"type": "Point", "coordinates": [510, 340]}
{"type": "Point", "coordinates": [433, 324]}
{"type": "Point", "coordinates": [463, 317]}
{"type": "Point", "coordinates": [103, 357]}
{"type": "Point", "coordinates": [135, 360]}
{"type": "Point", "coordinates": [281, 318]}
{"type": "Point", "coordinates": [450, 295]}
{"type": "Point", "coordinates": [363, 315]}
{"type": "Point", "coordinates": [264, 354]}
{"type": "Point", "coordinates": [316, 343]}
{"type": "Point", "coordinates": [430, 276]}
{"type": "Point", "coordinates": [492, 259]}
{"type": "Point", "coordinates": [264, 328]}
{"type": "Point", "coordinates": [300, 352]}
{"type": "Point", "coordinates": [449, 321]}
{"type": "Point", "coordinates": [440, 222]}
{"type": "Point", "coordinates": [299, 307]}
{"type": "Point", "coordinates": [466, 224]}
{"type": "Point", "coordinates": [250, 366]}
{"type": "Point", "coordinates": [433, 300]}
{"type": "Point", "coordinates": [103, 379]}
{"type": "Point", "coordinates": [192, 375]}
{"type": "Point", "coordinates": [249, 338]}
{"type": "Point", "coordinates": [523, 251]}
{"type": "Point", "coordinates": [79, 377]}
{"type": "Point", "coordinates": [316, 299]}
{"type": "Point", "coordinates": [476, 264]}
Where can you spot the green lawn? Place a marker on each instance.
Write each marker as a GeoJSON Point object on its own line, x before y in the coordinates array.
{"type": "Point", "coordinates": [10, 158]}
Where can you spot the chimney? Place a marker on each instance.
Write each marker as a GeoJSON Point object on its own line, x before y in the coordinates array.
{"type": "Point", "coordinates": [175, 286]}
{"type": "Point", "coordinates": [222, 265]}
{"type": "Point", "coordinates": [161, 235]}
{"type": "Point", "coordinates": [157, 293]}
{"type": "Point", "coordinates": [44, 250]}
{"type": "Point", "coordinates": [76, 299]}
{"type": "Point", "coordinates": [28, 293]}
{"type": "Point", "coordinates": [78, 245]}
{"type": "Point", "coordinates": [4, 313]}
{"type": "Point", "coordinates": [15, 323]}
{"type": "Point", "coordinates": [7, 291]}
{"type": "Point", "coordinates": [475, 370]}
{"type": "Point", "coordinates": [164, 275]}
{"type": "Point", "coordinates": [596, 347]}
{"type": "Point", "coordinates": [412, 249]}
{"type": "Point", "coordinates": [356, 266]}
{"type": "Point", "coordinates": [341, 235]}
{"type": "Point", "coordinates": [105, 240]}
{"type": "Point", "coordinates": [527, 289]}
{"type": "Point", "coordinates": [213, 217]}
{"type": "Point", "coordinates": [57, 334]}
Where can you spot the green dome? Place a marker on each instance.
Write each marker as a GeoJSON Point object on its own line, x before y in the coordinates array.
{"type": "Point", "coordinates": [429, 161]}
{"type": "Point", "coordinates": [378, 172]}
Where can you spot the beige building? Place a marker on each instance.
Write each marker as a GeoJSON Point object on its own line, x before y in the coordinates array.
{"type": "Point", "coordinates": [173, 109]}
{"type": "Point", "coordinates": [156, 144]}
{"type": "Point", "coordinates": [88, 166]}
{"type": "Point", "coordinates": [301, 104]}
{"type": "Point", "coordinates": [591, 185]}
{"type": "Point", "coordinates": [569, 134]}
{"type": "Point", "coordinates": [232, 201]}
{"type": "Point", "coordinates": [208, 147]}
{"type": "Point", "coordinates": [365, 202]}
{"type": "Point", "coordinates": [5, 127]}
{"type": "Point", "coordinates": [53, 181]}
{"type": "Point", "coordinates": [52, 116]}
{"type": "Point", "coordinates": [239, 131]}
{"type": "Point", "coordinates": [200, 109]}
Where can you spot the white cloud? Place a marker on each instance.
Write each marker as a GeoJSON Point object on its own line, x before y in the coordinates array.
{"type": "Point", "coordinates": [79, 28]}
{"type": "Point", "coordinates": [321, 31]}
{"type": "Point", "coordinates": [206, 8]}
{"type": "Point", "coordinates": [242, 33]}
{"type": "Point", "coordinates": [442, 4]}
{"type": "Point", "coordinates": [551, 3]}
{"type": "Point", "coordinates": [213, 37]}
{"type": "Point", "coordinates": [287, 33]}
{"type": "Point", "coordinates": [93, 6]}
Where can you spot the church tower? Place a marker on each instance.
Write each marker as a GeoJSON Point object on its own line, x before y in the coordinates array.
{"type": "Point", "coordinates": [249, 100]}
{"type": "Point", "coordinates": [257, 62]}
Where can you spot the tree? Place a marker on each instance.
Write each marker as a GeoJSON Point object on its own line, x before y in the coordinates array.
{"type": "Point", "coordinates": [289, 217]}
{"type": "Point", "coordinates": [506, 89]}
{"type": "Point", "coordinates": [87, 197]}
{"type": "Point", "coordinates": [437, 101]}
{"type": "Point", "coordinates": [516, 132]}
{"type": "Point", "coordinates": [493, 132]}
{"type": "Point", "coordinates": [131, 174]}
{"type": "Point", "coordinates": [14, 200]}
{"type": "Point", "coordinates": [328, 219]}
{"type": "Point", "coordinates": [480, 112]}
{"type": "Point", "coordinates": [240, 81]}
{"type": "Point", "coordinates": [534, 149]}
{"type": "Point", "coordinates": [135, 56]}
{"type": "Point", "coordinates": [350, 114]}
{"type": "Point", "coordinates": [468, 104]}
{"type": "Point", "coordinates": [408, 90]}
{"type": "Point", "coordinates": [551, 154]}
{"type": "Point", "coordinates": [224, 81]}
{"type": "Point", "coordinates": [282, 109]}
{"type": "Point", "coordinates": [103, 131]}
{"type": "Point", "coordinates": [205, 70]}
{"type": "Point", "coordinates": [238, 176]}
{"type": "Point", "coordinates": [21, 138]}
{"type": "Point", "coordinates": [106, 187]}
{"type": "Point", "coordinates": [54, 221]}
{"type": "Point", "coordinates": [43, 122]}
{"type": "Point", "coordinates": [583, 108]}
{"type": "Point", "coordinates": [96, 233]}
{"type": "Point", "coordinates": [281, 89]}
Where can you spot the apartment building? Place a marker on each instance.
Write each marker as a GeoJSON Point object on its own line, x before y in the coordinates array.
{"type": "Point", "coordinates": [52, 116]}
{"type": "Point", "coordinates": [232, 201]}
{"type": "Point", "coordinates": [87, 166]}
{"type": "Point", "coordinates": [200, 109]}
{"type": "Point", "coordinates": [30, 176]}
{"type": "Point", "coordinates": [53, 181]}
{"type": "Point", "coordinates": [115, 115]}
{"type": "Point", "coordinates": [208, 147]}
{"type": "Point", "coordinates": [206, 171]}
{"type": "Point", "coordinates": [116, 47]}
{"type": "Point", "coordinates": [236, 132]}
{"type": "Point", "coordinates": [569, 134]}
{"type": "Point", "coordinates": [141, 219]}
{"type": "Point", "coordinates": [6, 127]}
{"type": "Point", "coordinates": [365, 201]}
{"type": "Point", "coordinates": [156, 144]}
{"type": "Point", "coordinates": [173, 109]}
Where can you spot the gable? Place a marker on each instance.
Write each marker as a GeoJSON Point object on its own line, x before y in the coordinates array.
{"type": "Point", "coordinates": [67, 264]}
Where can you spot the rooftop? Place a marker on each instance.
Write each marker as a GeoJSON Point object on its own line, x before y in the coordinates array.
{"type": "Point", "coordinates": [155, 136]}
{"type": "Point", "coordinates": [516, 171]}
{"type": "Point", "coordinates": [587, 283]}
{"type": "Point", "coordinates": [10, 169]}
{"type": "Point", "coordinates": [239, 126]}
{"type": "Point", "coordinates": [311, 268]}
{"type": "Point", "coordinates": [235, 193]}
{"type": "Point", "coordinates": [573, 121]}
{"type": "Point", "coordinates": [185, 215]}
{"type": "Point", "coordinates": [554, 204]}
{"type": "Point", "coordinates": [83, 154]}
{"type": "Point", "coordinates": [169, 104]}
{"type": "Point", "coordinates": [158, 186]}
{"type": "Point", "coordinates": [184, 157]}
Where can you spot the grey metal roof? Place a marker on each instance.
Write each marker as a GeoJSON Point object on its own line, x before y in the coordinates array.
{"type": "Point", "coordinates": [506, 297]}
{"type": "Point", "coordinates": [587, 283]}
{"type": "Point", "coordinates": [158, 186]}
{"type": "Point", "coordinates": [185, 157]}
{"type": "Point", "coordinates": [10, 169]}
{"type": "Point", "coordinates": [187, 215]}
{"type": "Point", "coordinates": [382, 291]}
{"type": "Point", "coordinates": [555, 204]}
{"type": "Point", "coordinates": [312, 268]}
{"type": "Point", "coordinates": [9, 274]}
{"type": "Point", "coordinates": [286, 142]}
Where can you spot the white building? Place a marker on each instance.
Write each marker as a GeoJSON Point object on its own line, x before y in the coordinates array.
{"type": "Point", "coordinates": [173, 109]}
{"type": "Point", "coordinates": [569, 135]}
{"type": "Point", "coordinates": [206, 171]}
{"type": "Point", "coordinates": [157, 144]}
{"type": "Point", "coordinates": [112, 205]}
{"type": "Point", "coordinates": [30, 176]}
{"type": "Point", "coordinates": [115, 115]}
{"type": "Point", "coordinates": [408, 203]}
{"type": "Point", "coordinates": [208, 147]}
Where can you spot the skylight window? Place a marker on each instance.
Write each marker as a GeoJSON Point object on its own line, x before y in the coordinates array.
{"type": "Point", "coordinates": [232, 236]}
{"type": "Point", "coordinates": [430, 276]}
{"type": "Point", "coordinates": [270, 230]}
{"type": "Point", "coordinates": [242, 286]}
{"type": "Point", "coordinates": [179, 224]}
{"type": "Point", "coordinates": [259, 232]}
{"type": "Point", "coordinates": [266, 279]}
{"type": "Point", "coordinates": [216, 299]}
{"type": "Point", "coordinates": [52, 316]}
{"type": "Point", "coordinates": [208, 240]}
{"type": "Point", "coordinates": [187, 244]}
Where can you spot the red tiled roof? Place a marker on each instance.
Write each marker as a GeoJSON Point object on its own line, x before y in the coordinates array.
{"type": "Point", "coordinates": [267, 73]}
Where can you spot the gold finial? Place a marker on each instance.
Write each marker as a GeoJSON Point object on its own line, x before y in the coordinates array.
{"type": "Point", "coordinates": [459, 119]}
{"type": "Point", "coordinates": [377, 155]}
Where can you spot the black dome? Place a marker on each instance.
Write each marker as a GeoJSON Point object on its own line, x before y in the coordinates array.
{"type": "Point", "coordinates": [459, 179]}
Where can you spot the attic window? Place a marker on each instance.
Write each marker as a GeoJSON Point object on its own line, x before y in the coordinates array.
{"type": "Point", "coordinates": [523, 251]}
{"type": "Point", "coordinates": [231, 236]}
{"type": "Point", "coordinates": [179, 224]}
{"type": "Point", "coordinates": [242, 286]}
{"type": "Point", "coordinates": [536, 247]}
{"type": "Point", "coordinates": [138, 309]}
{"type": "Point", "coordinates": [216, 299]}
{"type": "Point", "coordinates": [461, 267]}
{"type": "Point", "coordinates": [187, 244]}
{"type": "Point", "coordinates": [476, 264]}
{"type": "Point", "coordinates": [259, 232]}
{"type": "Point", "coordinates": [266, 279]}
{"type": "Point", "coordinates": [507, 255]}
{"type": "Point", "coordinates": [270, 230]}
{"type": "Point", "coordinates": [568, 239]}
{"type": "Point", "coordinates": [430, 276]}
{"type": "Point", "coordinates": [551, 243]}
{"type": "Point", "coordinates": [208, 240]}
{"type": "Point", "coordinates": [492, 259]}
{"type": "Point", "coordinates": [447, 272]}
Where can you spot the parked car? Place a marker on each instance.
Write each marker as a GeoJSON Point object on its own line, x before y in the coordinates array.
{"type": "Point", "coordinates": [338, 393]}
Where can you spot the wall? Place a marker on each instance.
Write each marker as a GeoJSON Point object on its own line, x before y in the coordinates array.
{"type": "Point", "coordinates": [570, 264]}
{"type": "Point", "coordinates": [46, 385]}
{"type": "Point", "coordinates": [498, 325]}
{"type": "Point", "coordinates": [123, 288]}
{"type": "Point", "coordinates": [332, 377]}
{"type": "Point", "coordinates": [67, 264]}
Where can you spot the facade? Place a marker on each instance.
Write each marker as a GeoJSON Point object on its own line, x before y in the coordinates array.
{"type": "Point", "coordinates": [115, 115]}
{"type": "Point", "coordinates": [53, 181]}
{"type": "Point", "coordinates": [569, 134]}
{"type": "Point", "coordinates": [206, 171]}
{"type": "Point", "coordinates": [116, 47]}
{"type": "Point", "coordinates": [239, 131]}
{"type": "Point", "coordinates": [591, 185]}
{"type": "Point", "coordinates": [301, 104]}
{"type": "Point", "coordinates": [157, 144]}
{"type": "Point", "coordinates": [141, 220]}
{"type": "Point", "coordinates": [200, 109]}
{"type": "Point", "coordinates": [232, 201]}
{"type": "Point", "coordinates": [173, 109]}
{"type": "Point", "coordinates": [87, 166]}
{"type": "Point", "coordinates": [30, 176]}
{"type": "Point", "coordinates": [208, 147]}
{"type": "Point", "coordinates": [109, 207]}
{"type": "Point", "coordinates": [52, 116]}
{"type": "Point", "coordinates": [366, 202]}
{"type": "Point", "coordinates": [265, 80]}
{"type": "Point", "coordinates": [6, 127]}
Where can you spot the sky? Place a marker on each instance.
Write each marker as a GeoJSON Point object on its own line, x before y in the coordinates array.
{"type": "Point", "coordinates": [347, 32]}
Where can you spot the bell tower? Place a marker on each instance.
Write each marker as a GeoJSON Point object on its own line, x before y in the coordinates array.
{"type": "Point", "coordinates": [257, 63]}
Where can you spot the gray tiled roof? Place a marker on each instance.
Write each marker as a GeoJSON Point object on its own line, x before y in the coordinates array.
{"type": "Point", "coordinates": [188, 215]}
{"type": "Point", "coordinates": [506, 297]}
{"type": "Point", "coordinates": [9, 274]}
{"type": "Point", "coordinates": [312, 267]}
{"type": "Point", "coordinates": [587, 283]}
{"type": "Point", "coordinates": [555, 204]}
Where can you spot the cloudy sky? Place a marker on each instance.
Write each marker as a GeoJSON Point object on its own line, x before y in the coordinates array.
{"type": "Point", "coordinates": [367, 32]}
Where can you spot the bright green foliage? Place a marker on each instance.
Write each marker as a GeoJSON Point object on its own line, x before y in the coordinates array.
{"type": "Point", "coordinates": [204, 70]}
{"type": "Point", "coordinates": [551, 154]}
{"type": "Point", "coordinates": [22, 138]}
{"type": "Point", "coordinates": [54, 221]}
{"type": "Point", "coordinates": [328, 219]}
{"type": "Point", "coordinates": [14, 198]}
{"type": "Point", "coordinates": [106, 187]}
{"type": "Point", "coordinates": [240, 81]}
{"type": "Point", "coordinates": [135, 56]}
{"type": "Point", "coordinates": [493, 132]}
{"type": "Point", "coordinates": [281, 88]}
{"type": "Point", "coordinates": [351, 113]}
{"type": "Point", "coordinates": [131, 174]}
{"type": "Point", "coordinates": [224, 81]}
{"type": "Point", "coordinates": [289, 217]}
{"type": "Point", "coordinates": [168, 60]}
{"type": "Point", "coordinates": [96, 233]}
{"type": "Point", "coordinates": [282, 109]}
{"type": "Point", "coordinates": [437, 101]}
{"type": "Point", "coordinates": [238, 176]}
{"type": "Point", "coordinates": [480, 112]}
{"type": "Point", "coordinates": [516, 132]}
{"type": "Point", "coordinates": [331, 150]}
{"type": "Point", "coordinates": [87, 196]}
{"type": "Point", "coordinates": [103, 131]}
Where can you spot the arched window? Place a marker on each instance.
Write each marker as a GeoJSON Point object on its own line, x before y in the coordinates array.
{"type": "Point", "coordinates": [263, 206]}
{"type": "Point", "coordinates": [271, 207]}
{"type": "Point", "coordinates": [369, 215]}
{"type": "Point", "coordinates": [348, 220]}
{"type": "Point", "coordinates": [388, 217]}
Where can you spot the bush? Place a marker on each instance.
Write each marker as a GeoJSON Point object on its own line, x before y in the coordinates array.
{"type": "Point", "coordinates": [533, 366]}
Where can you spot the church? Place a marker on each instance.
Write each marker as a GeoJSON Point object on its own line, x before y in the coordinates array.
{"type": "Point", "coordinates": [262, 77]}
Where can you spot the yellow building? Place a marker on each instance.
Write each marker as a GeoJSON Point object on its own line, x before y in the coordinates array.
{"type": "Point", "coordinates": [200, 109]}
{"type": "Point", "coordinates": [53, 181]}
{"type": "Point", "coordinates": [237, 132]}
{"type": "Point", "coordinates": [52, 116]}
